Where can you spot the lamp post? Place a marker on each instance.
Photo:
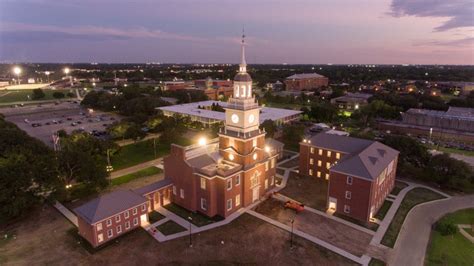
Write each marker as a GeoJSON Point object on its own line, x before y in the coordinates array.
{"type": "Point", "coordinates": [67, 71]}
{"type": "Point", "coordinates": [47, 75]}
{"type": "Point", "coordinates": [17, 71]}
{"type": "Point", "coordinates": [190, 238]}
{"type": "Point", "coordinates": [291, 235]}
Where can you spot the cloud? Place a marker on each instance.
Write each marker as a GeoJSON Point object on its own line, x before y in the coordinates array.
{"type": "Point", "coordinates": [460, 13]}
{"type": "Point", "coordinates": [467, 42]}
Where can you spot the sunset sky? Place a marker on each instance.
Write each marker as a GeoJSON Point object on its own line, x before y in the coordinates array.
{"type": "Point", "coordinates": [208, 31]}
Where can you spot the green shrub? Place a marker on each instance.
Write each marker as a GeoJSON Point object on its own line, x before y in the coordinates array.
{"type": "Point", "coordinates": [446, 228]}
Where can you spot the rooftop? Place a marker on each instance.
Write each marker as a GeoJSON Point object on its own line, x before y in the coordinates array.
{"type": "Point", "coordinates": [453, 112]}
{"type": "Point", "coordinates": [108, 205]}
{"type": "Point", "coordinates": [305, 76]}
{"type": "Point", "coordinates": [267, 113]}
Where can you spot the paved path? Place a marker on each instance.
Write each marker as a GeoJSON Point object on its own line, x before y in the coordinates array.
{"type": "Point", "coordinates": [66, 212]}
{"type": "Point", "coordinates": [131, 141]}
{"type": "Point", "coordinates": [136, 168]}
{"type": "Point", "coordinates": [410, 250]}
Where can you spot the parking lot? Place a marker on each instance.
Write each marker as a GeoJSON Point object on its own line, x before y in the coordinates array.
{"type": "Point", "coordinates": [41, 121]}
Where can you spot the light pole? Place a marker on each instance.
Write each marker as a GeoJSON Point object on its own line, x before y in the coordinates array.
{"type": "Point", "coordinates": [47, 75]}
{"type": "Point", "coordinates": [291, 235]}
{"type": "Point", "coordinates": [190, 238]}
{"type": "Point", "coordinates": [17, 71]}
{"type": "Point", "coordinates": [66, 71]}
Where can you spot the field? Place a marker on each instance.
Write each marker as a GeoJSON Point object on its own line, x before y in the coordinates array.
{"type": "Point", "coordinates": [45, 240]}
{"type": "Point", "coordinates": [308, 190]}
{"type": "Point", "coordinates": [142, 173]}
{"type": "Point", "coordinates": [412, 198]}
{"type": "Point", "coordinates": [453, 249]}
{"type": "Point", "coordinates": [10, 96]}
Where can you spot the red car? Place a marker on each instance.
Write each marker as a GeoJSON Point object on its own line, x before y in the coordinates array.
{"type": "Point", "coordinates": [298, 207]}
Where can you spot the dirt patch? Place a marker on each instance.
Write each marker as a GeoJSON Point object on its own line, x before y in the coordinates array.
{"type": "Point", "coordinates": [44, 240]}
{"type": "Point", "coordinates": [333, 232]}
{"type": "Point", "coordinates": [308, 190]}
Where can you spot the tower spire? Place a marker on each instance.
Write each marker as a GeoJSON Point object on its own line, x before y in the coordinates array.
{"type": "Point", "coordinates": [243, 64]}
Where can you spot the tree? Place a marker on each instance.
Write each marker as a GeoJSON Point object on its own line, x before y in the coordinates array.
{"type": "Point", "coordinates": [411, 151]}
{"type": "Point", "coordinates": [446, 227]}
{"type": "Point", "coordinates": [292, 135]}
{"type": "Point", "coordinates": [449, 172]}
{"type": "Point", "coordinates": [58, 95]}
{"type": "Point", "coordinates": [376, 109]}
{"type": "Point", "coordinates": [28, 171]}
{"type": "Point", "coordinates": [134, 132]}
{"type": "Point", "coordinates": [270, 127]}
{"type": "Point", "coordinates": [38, 94]}
{"type": "Point", "coordinates": [323, 112]}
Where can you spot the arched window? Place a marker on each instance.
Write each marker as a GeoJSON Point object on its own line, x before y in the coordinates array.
{"type": "Point", "coordinates": [243, 91]}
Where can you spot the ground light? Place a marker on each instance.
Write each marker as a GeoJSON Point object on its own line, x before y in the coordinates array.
{"type": "Point", "coordinates": [202, 141]}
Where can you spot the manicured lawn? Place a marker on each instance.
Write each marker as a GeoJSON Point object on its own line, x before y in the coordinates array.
{"type": "Point", "coordinates": [140, 152]}
{"type": "Point", "coordinates": [197, 218]}
{"type": "Point", "coordinates": [155, 216]}
{"type": "Point", "coordinates": [398, 187]}
{"type": "Point", "coordinates": [412, 198]}
{"type": "Point", "coordinates": [22, 95]}
{"type": "Point", "coordinates": [170, 228]}
{"type": "Point", "coordinates": [142, 173]}
{"type": "Point", "coordinates": [383, 210]}
{"type": "Point", "coordinates": [453, 249]}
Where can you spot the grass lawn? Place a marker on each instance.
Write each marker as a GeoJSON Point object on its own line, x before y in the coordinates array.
{"type": "Point", "coordinates": [142, 173]}
{"type": "Point", "coordinates": [155, 216]}
{"type": "Point", "coordinates": [383, 210]}
{"type": "Point", "coordinates": [22, 95]}
{"type": "Point", "coordinates": [311, 191]}
{"type": "Point", "coordinates": [170, 228]}
{"type": "Point", "coordinates": [398, 187]}
{"type": "Point", "coordinates": [198, 219]}
{"type": "Point", "coordinates": [454, 249]}
{"type": "Point", "coordinates": [140, 152]}
{"type": "Point", "coordinates": [412, 198]}
{"type": "Point", "coordinates": [368, 225]}
{"type": "Point", "coordinates": [376, 262]}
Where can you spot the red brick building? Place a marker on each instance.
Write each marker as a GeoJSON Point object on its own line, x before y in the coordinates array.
{"type": "Point", "coordinates": [215, 89]}
{"type": "Point", "coordinates": [305, 81]}
{"type": "Point", "coordinates": [360, 173]}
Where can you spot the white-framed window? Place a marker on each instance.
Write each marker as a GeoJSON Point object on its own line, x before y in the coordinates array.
{"type": "Point", "coordinates": [273, 181]}
{"type": "Point", "coordinates": [117, 218]}
{"type": "Point", "coordinates": [267, 165]}
{"type": "Point", "coordinates": [135, 211]}
{"type": "Point", "coordinates": [320, 152]}
{"type": "Point", "coordinates": [311, 161]}
{"type": "Point", "coordinates": [229, 204]}
{"type": "Point", "coordinates": [98, 227]}
{"type": "Point", "coordinates": [327, 176]}
{"type": "Point", "coordinates": [127, 225]}
{"type": "Point", "coordinates": [320, 163]}
{"type": "Point", "coordinates": [329, 153]}
{"type": "Point", "coordinates": [311, 150]}
{"type": "Point", "coordinates": [349, 180]}
{"type": "Point", "coordinates": [144, 207]}
{"type": "Point", "coordinates": [100, 237]}
{"type": "Point", "coordinates": [135, 221]}
{"type": "Point", "coordinates": [203, 204]}
{"type": "Point", "coordinates": [174, 190]}
{"type": "Point", "coordinates": [203, 183]}
{"type": "Point", "coordinates": [347, 208]}
{"type": "Point", "coordinates": [237, 200]}
{"type": "Point", "coordinates": [237, 180]}
{"type": "Point", "coordinates": [119, 229]}
{"type": "Point", "coordinates": [318, 174]}
{"type": "Point", "coordinates": [272, 164]}
{"type": "Point", "coordinates": [338, 155]}
{"type": "Point", "coordinates": [266, 183]}
{"type": "Point", "coordinates": [348, 195]}
{"type": "Point", "coordinates": [310, 171]}
{"type": "Point", "coordinates": [110, 233]}
{"type": "Point", "coordinates": [109, 222]}
{"type": "Point", "coordinates": [181, 193]}
{"type": "Point", "coordinates": [126, 214]}
{"type": "Point", "coordinates": [328, 165]}
{"type": "Point", "coordinates": [229, 184]}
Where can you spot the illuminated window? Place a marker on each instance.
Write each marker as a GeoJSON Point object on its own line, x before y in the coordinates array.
{"type": "Point", "coordinates": [310, 171]}
{"type": "Point", "coordinates": [320, 152]}
{"type": "Point", "coordinates": [320, 163]}
{"type": "Point", "coordinates": [100, 237]}
{"type": "Point", "coordinates": [348, 195]}
{"type": "Point", "coordinates": [318, 174]}
{"type": "Point", "coordinates": [311, 161]}
{"type": "Point", "coordinates": [329, 153]}
{"type": "Point", "coordinates": [347, 208]}
{"type": "Point", "coordinates": [266, 166]}
{"type": "Point", "coordinates": [174, 190]}
{"type": "Point", "coordinates": [349, 180]}
{"type": "Point", "coordinates": [203, 204]}
{"type": "Point", "coordinates": [203, 183]}
{"type": "Point", "coordinates": [229, 204]}
{"type": "Point", "coordinates": [266, 183]}
{"type": "Point", "coordinates": [273, 163]}
{"type": "Point", "coordinates": [338, 155]}
{"type": "Point", "coordinates": [229, 184]}
{"type": "Point", "coordinates": [327, 177]}
{"type": "Point", "coordinates": [328, 165]}
{"type": "Point", "coordinates": [237, 200]}
{"type": "Point", "coordinates": [254, 142]}
{"type": "Point", "coordinates": [311, 150]}
{"type": "Point", "coordinates": [99, 226]}
{"type": "Point", "coordinates": [181, 193]}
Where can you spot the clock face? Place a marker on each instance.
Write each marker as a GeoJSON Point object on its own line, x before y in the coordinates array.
{"type": "Point", "coordinates": [251, 118]}
{"type": "Point", "coordinates": [235, 118]}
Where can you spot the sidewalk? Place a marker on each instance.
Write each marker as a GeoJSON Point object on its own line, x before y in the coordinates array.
{"type": "Point", "coordinates": [67, 213]}
{"type": "Point", "coordinates": [132, 169]}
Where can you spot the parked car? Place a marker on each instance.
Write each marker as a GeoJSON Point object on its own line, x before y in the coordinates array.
{"type": "Point", "coordinates": [298, 207]}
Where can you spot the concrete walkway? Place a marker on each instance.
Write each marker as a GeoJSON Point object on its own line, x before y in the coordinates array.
{"type": "Point", "coordinates": [66, 212]}
{"type": "Point", "coordinates": [131, 141]}
{"type": "Point", "coordinates": [136, 168]}
{"type": "Point", "coordinates": [411, 250]}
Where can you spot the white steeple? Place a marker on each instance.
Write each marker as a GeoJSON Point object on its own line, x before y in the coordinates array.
{"type": "Point", "coordinates": [243, 64]}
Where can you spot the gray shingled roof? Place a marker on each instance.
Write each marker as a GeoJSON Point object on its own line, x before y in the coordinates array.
{"type": "Point", "coordinates": [363, 158]}
{"type": "Point", "coordinates": [153, 186]}
{"type": "Point", "coordinates": [274, 143]}
{"type": "Point", "coordinates": [305, 76]}
{"type": "Point", "coordinates": [108, 205]}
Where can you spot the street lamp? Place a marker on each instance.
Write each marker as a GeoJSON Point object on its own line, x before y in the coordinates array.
{"type": "Point", "coordinates": [190, 238]}
{"type": "Point", "coordinates": [67, 71]}
{"type": "Point", "coordinates": [202, 141]}
{"type": "Point", "coordinates": [17, 71]}
{"type": "Point", "coordinates": [291, 235]}
{"type": "Point", "coordinates": [47, 73]}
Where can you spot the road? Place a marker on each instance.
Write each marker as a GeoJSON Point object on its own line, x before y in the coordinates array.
{"type": "Point", "coordinates": [410, 248]}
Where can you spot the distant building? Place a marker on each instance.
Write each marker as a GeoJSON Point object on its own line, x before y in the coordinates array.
{"type": "Point", "coordinates": [360, 173]}
{"type": "Point", "coordinates": [351, 101]}
{"type": "Point", "coordinates": [456, 118]}
{"type": "Point", "coordinates": [215, 89]}
{"type": "Point", "coordinates": [305, 81]}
